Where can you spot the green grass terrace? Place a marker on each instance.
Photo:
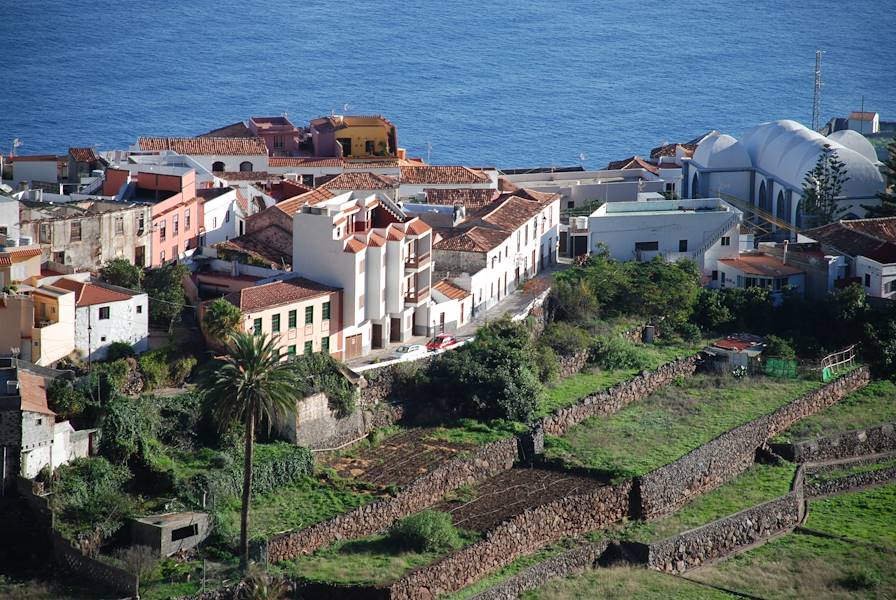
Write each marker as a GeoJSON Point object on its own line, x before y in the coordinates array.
{"type": "Point", "coordinates": [671, 422]}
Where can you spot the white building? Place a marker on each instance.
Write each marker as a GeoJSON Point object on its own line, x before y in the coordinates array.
{"type": "Point", "coordinates": [767, 166]}
{"type": "Point", "coordinates": [863, 122]}
{"type": "Point", "coordinates": [223, 218]}
{"type": "Point", "coordinates": [9, 221]}
{"type": "Point", "coordinates": [213, 154]}
{"type": "Point", "coordinates": [380, 258]}
{"type": "Point", "coordinates": [760, 270]}
{"type": "Point", "coordinates": [451, 307]}
{"type": "Point", "coordinates": [42, 168]}
{"type": "Point", "coordinates": [702, 230]}
{"type": "Point", "coordinates": [105, 314]}
{"type": "Point", "coordinates": [497, 247]}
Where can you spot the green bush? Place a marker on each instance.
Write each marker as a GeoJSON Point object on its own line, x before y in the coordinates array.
{"type": "Point", "coordinates": [129, 427]}
{"type": "Point", "coordinates": [565, 339]}
{"type": "Point", "coordinates": [181, 370]}
{"type": "Point", "coordinates": [779, 348]}
{"type": "Point", "coordinates": [688, 332]}
{"type": "Point", "coordinates": [114, 374]}
{"type": "Point", "coordinates": [154, 369]}
{"type": "Point", "coordinates": [428, 531]}
{"type": "Point", "coordinates": [320, 372]}
{"type": "Point", "coordinates": [65, 399]}
{"type": "Point", "coordinates": [119, 350]}
{"type": "Point", "coordinates": [614, 353]}
{"type": "Point", "coordinates": [87, 495]}
{"type": "Point", "coordinates": [548, 365]}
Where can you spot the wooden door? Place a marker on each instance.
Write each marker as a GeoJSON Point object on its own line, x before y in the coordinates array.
{"type": "Point", "coordinates": [353, 346]}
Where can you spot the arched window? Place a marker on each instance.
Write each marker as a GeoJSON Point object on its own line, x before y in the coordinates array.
{"type": "Point", "coordinates": [218, 166]}
{"type": "Point", "coordinates": [781, 209]}
{"type": "Point", "coordinates": [762, 194]}
{"type": "Point", "coordinates": [799, 214]}
{"type": "Point", "coordinates": [246, 166]}
{"type": "Point", "coordinates": [695, 186]}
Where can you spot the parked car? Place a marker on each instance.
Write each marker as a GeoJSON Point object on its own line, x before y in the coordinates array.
{"type": "Point", "coordinates": [441, 341]}
{"type": "Point", "coordinates": [409, 352]}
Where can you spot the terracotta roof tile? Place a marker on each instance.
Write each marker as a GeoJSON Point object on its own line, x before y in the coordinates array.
{"type": "Point", "coordinates": [360, 180]}
{"type": "Point", "coordinates": [33, 393]}
{"type": "Point", "coordinates": [474, 239]}
{"type": "Point", "coordinates": [471, 198]}
{"type": "Point", "coordinates": [277, 293]}
{"type": "Point", "coordinates": [442, 175]}
{"type": "Point", "coordinates": [83, 154]}
{"type": "Point", "coordinates": [416, 226]}
{"type": "Point", "coordinates": [303, 161]}
{"type": "Point", "coordinates": [206, 146]}
{"type": "Point", "coordinates": [272, 244]}
{"type": "Point", "coordinates": [761, 264]}
{"type": "Point", "coordinates": [354, 245]}
{"type": "Point", "coordinates": [17, 255]}
{"type": "Point", "coordinates": [376, 240]}
{"type": "Point", "coordinates": [873, 238]}
{"type": "Point", "coordinates": [633, 162]}
{"type": "Point", "coordinates": [88, 294]}
{"type": "Point", "coordinates": [237, 129]}
{"type": "Point", "coordinates": [291, 205]}
{"type": "Point", "coordinates": [451, 290]}
{"type": "Point", "coordinates": [35, 158]}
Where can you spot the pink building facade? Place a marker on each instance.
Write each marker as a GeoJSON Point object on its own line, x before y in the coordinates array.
{"type": "Point", "coordinates": [280, 136]}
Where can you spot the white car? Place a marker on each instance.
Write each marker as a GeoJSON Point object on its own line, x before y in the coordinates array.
{"type": "Point", "coordinates": [410, 352]}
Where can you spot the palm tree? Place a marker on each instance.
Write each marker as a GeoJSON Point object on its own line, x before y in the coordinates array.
{"type": "Point", "coordinates": [250, 384]}
{"type": "Point", "coordinates": [220, 320]}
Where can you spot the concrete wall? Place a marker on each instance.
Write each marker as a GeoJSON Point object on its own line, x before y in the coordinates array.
{"type": "Point", "coordinates": [881, 278]}
{"type": "Point", "coordinates": [125, 324]}
{"type": "Point", "coordinates": [220, 219]}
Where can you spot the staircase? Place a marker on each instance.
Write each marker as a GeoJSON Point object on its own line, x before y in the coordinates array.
{"type": "Point", "coordinates": [716, 235]}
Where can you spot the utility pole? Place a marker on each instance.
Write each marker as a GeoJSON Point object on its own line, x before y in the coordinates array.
{"type": "Point", "coordinates": [862, 119]}
{"type": "Point", "coordinates": [816, 99]}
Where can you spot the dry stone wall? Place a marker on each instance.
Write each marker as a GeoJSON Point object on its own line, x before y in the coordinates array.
{"type": "Point", "coordinates": [570, 365]}
{"type": "Point", "coordinates": [859, 442]}
{"type": "Point", "coordinates": [486, 461]}
{"type": "Point", "coordinates": [668, 488]}
{"type": "Point", "coordinates": [816, 489]}
{"type": "Point", "coordinates": [613, 399]}
{"type": "Point", "coordinates": [576, 560]}
{"type": "Point", "coordinates": [519, 535]}
{"type": "Point", "coordinates": [725, 536]}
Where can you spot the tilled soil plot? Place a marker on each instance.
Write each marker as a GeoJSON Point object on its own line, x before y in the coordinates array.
{"type": "Point", "coordinates": [398, 460]}
{"type": "Point", "coordinates": [512, 492]}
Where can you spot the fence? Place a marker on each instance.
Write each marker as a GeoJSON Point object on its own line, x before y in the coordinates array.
{"type": "Point", "coordinates": [834, 364]}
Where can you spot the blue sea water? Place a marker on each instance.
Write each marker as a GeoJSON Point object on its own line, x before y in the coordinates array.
{"type": "Point", "coordinates": [506, 83]}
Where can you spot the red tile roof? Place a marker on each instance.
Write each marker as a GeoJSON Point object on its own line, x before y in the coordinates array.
{"type": "Point", "coordinates": [291, 205]}
{"type": "Point", "coordinates": [303, 161]}
{"type": "Point", "coordinates": [277, 293]}
{"type": "Point", "coordinates": [33, 393]}
{"type": "Point", "coordinates": [34, 158]}
{"type": "Point", "coordinates": [862, 116]}
{"type": "Point", "coordinates": [761, 264]}
{"type": "Point", "coordinates": [733, 344]}
{"type": "Point", "coordinates": [453, 291]}
{"type": "Point", "coordinates": [83, 154]}
{"type": "Point", "coordinates": [354, 246]}
{"type": "Point", "coordinates": [206, 146]}
{"type": "Point", "coordinates": [872, 238]}
{"type": "Point", "coordinates": [88, 294]}
{"type": "Point", "coordinates": [360, 180]}
{"type": "Point", "coordinates": [670, 149]}
{"type": "Point", "coordinates": [632, 162]}
{"type": "Point", "coordinates": [237, 129]}
{"type": "Point", "coordinates": [474, 239]}
{"type": "Point", "coordinates": [442, 175]}
{"type": "Point", "coordinates": [17, 255]}
{"type": "Point", "coordinates": [471, 198]}
{"type": "Point", "coordinates": [271, 244]}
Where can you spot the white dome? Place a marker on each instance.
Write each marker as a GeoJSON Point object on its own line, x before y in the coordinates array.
{"type": "Point", "coordinates": [722, 151]}
{"type": "Point", "coordinates": [856, 142]}
{"type": "Point", "coordinates": [788, 150]}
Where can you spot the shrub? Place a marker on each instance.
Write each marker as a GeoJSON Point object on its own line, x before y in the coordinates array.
{"type": "Point", "coordinates": [154, 369]}
{"type": "Point", "coordinates": [862, 579]}
{"type": "Point", "coordinates": [565, 339]}
{"type": "Point", "coordinates": [121, 272]}
{"type": "Point", "coordinates": [181, 370]}
{"type": "Point", "coordinates": [320, 373]}
{"type": "Point", "coordinates": [688, 332]}
{"type": "Point", "coordinates": [428, 531]}
{"type": "Point", "coordinates": [129, 426]}
{"type": "Point", "coordinates": [119, 350]}
{"type": "Point", "coordinates": [548, 365]}
{"type": "Point", "coordinates": [65, 399]}
{"type": "Point", "coordinates": [113, 375]}
{"type": "Point", "coordinates": [779, 348]}
{"type": "Point", "coordinates": [614, 352]}
{"type": "Point", "coordinates": [221, 319]}
{"type": "Point", "coordinates": [87, 495]}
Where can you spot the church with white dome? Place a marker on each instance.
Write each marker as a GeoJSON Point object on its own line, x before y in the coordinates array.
{"type": "Point", "coordinates": [766, 167]}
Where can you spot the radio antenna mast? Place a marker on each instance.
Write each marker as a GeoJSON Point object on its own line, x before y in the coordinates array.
{"type": "Point", "coordinates": [816, 99]}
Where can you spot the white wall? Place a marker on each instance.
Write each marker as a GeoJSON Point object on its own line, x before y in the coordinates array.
{"type": "Point", "coordinates": [124, 324]}
{"type": "Point", "coordinates": [881, 278]}
{"type": "Point", "coordinates": [9, 218]}
{"type": "Point", "coordinates": [232, 163]}
{"type": "Point", "coordinates": [34, 170]}
{"type": "Point", "coordinates": [220, 219]}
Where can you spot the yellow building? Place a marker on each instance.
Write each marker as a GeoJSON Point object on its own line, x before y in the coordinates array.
{"type": "Point", "coordinates": [354, 136]}
{"type": "Point", "coordinates": [18, 264]}
{"type": "Point", "coordinates": [38, 324]}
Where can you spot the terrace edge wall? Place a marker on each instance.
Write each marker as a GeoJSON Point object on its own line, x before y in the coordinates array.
{"type": "Point", "coordinates": [858, 442]}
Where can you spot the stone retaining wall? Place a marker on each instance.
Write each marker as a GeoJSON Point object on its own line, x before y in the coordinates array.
{"type": "Point", "coordinates": [666, 489]}
{"type": "Point", "coordinates": [519, 535]}
{"type": "Point", "coordinates": [725, 536]}
{"type": "Point", "coordinates": [485, 461]}
{"type": "Point", "coordinates": [859, 442]}
{"type": "Point", "coordinates": [620, 395]}
{"type": "Point", "coordinates": [570, 365]}
{"type": "Point", "coordinates": [571, 562]}
{"type": "Point", "coordinates": [850, 482]}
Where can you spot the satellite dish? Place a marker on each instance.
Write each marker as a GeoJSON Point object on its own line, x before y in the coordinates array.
{"type": "Point", "coordinates": [583, 157]}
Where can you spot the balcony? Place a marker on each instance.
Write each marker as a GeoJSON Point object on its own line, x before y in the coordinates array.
{"type": "Point", "coordinates": [415, 296]}
{"type": "Point", "coordinates": [412, 263]}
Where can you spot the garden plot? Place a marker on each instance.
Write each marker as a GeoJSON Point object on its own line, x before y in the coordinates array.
{"type": "Point", "coordinates": [671, 422]}
{"type": "Point", "coordinates": [399, 459]}
{"type": "Point", "coordinates": [510, 493]}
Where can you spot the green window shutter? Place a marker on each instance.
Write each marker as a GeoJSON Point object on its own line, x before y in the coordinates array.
{"type": "Point", "coordinates": [275, 323]}
{"type": "Point", "coordinates": [325, 345]}
{"type": "Point", "coordinates": [292, 319]}
{"type": "Point", "coordinates": [309, 315]}
{"type": "Point", "coordinates": [256, 328]}
{"type": "Point", "coordinates": [326, 316]}
{"type": "Point", "coordinates": [291, 350]}
{"type": "Point", "coordinates": [308, 347]}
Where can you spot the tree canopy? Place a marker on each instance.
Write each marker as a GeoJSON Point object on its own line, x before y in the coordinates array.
{"type": "Point", "coordinates": [823, 185]}
{"type": "Point", "coordinates": [121, 272]}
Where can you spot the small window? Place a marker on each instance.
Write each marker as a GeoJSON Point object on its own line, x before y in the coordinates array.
{"type": "Point", "coordinates": [119, 225]}
{"type": "Point", "coordinates": [275, 323]}
{"type": "Point", "coordinates": [867, 280]}
{"type": "Point", "coordinates": [246, 166]}
{"type": "Point", "coordinates": [175, 224]}
{"type": "Point", "coordinates": [309, 315]}
{"type": "Point", "coordinates": [308, 347]}
{"type": "Point", "coordinates": [361, 266]}
{"type": "Point", "coordinates": [103, 338]}
{"type": "Point", "coordinates": [715, 275]}
{"type": "Point", "coordinates": [187, 219]}
{"type": "Point", "coordinates": [182, 533]}
{"type": "Point", "coordinates": [256, 326]}
{"type": "Point", "coordinates": [682, 245]}
{"type": "Point", "coordinates": [292, 319]}
{"type": "Point", "coordinates": [326, 309]}
{"type": "Point", "coordinates": [44, 234]}
{"type": "Point", "coordinates": [291, 350]}
{"type": "Point", "coordinates": [369, 147]}
{"type": "Point", "coordinates": [217, 166]}
{"type": "Point", "coordinates": [647, 246]}
{"type": "Point", "coordinates": [74, 231]}
{"type": "Point", "coordinates": [104, 312]}
{"type": "Point", "coordinates": [570, 205]}
{"type": "Point", "coordinates": [163, 230]}
{"type": "Point", "coordinates": [325, 345]}
{"type": "Point", "coordinates": [227, 216]}
{"type": "Point", "coordinates": [40, 421]}
{"type": "Point", "coordinates": [162, 256]}
{"type": "Point", "coordinates": [139, 309]}
{"type": "Point", "coordinates": [726, 241]}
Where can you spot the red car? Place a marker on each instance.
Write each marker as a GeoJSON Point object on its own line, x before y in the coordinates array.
{"type": "Point", "coordinates": [441, 341]}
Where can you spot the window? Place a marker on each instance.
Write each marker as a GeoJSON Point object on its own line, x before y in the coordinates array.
{"type": "Point", "coordinates": [890, 286]}
{"type": "Point", "coordinates": [669, 187]}
{"type": "Point", "coordinates": [369, 147]}
{"type": "Point", "coordinates": [40, 421]}
{"type": "Point", "coordinates": [291, 350]}
{"type": "Point", "coordinates": [187, 219]}
{"type": "Point", "coordinates": [227, 216]}
{"type": "Point", "coordinates": [163, 230]}
{"type": "Point", "coordinates": [292, 319]}
{"type": "Point", "coordinates": [175, 224]}
{"type": "Point", "coordinates": [517, 241]}
{"type": "Point", "coordinates": [174, 251]}
{"type": "Point", "coordinates": [682, 245]}
{"type": "Point", "coordinates": [246, 166]}
{"type": "Point", "coordinates": [278, 141]}
{"type": "Point", "coordinates": [647, 246]}
{"type": "Point", "coordinates": [218, 166]}
{"type": "Point", "coordinates": [104, 313]}
{"type": "Point", "coordinates": [119, 225]}
{"type": "Point", "coordinates": [139, 309]}
{"type": "Point", "coordinates": [162, 256]}
{"type": "Point", "coordinates": [275, 323]}
{"type": "Point", "coordinates": [182, 533]}
{"type": "Point", "coordinates": [4, 230]}
{"type": "Point", "coordinates": [214, 222]}
{"type": "Point", "coordinates": [74, 231]}
{"type": "Point", "coordinates": [308, 347]}
{"type": "Point", "coordinates": [723, 278]}
{"type": "Point", "coordinates": [715, 275]}
{"type": "Point", "coordinates": [309, 315]}
{"type": "Point", "coordinates": [326, 310]}
{"type": "Point", "coordinates": [570, 205]}
{"type": "Point", "coordinates": [256, 326]}
{"type": "Point", "coordinates": [44, 234]}
{"type": "Point", "coordinates": [141, 224]}
{"type": "Point", "coordinates": [726, 241]}
{"type": "Point", "coordinates": [325, 345]}
{"type": "Point", "coordinates": [187, 244]}
{"type": "Point", "coordinates": [867, 280]}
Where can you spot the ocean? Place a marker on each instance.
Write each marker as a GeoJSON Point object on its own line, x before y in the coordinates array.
{"type": "Point", "coordinates": [509, 84]}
